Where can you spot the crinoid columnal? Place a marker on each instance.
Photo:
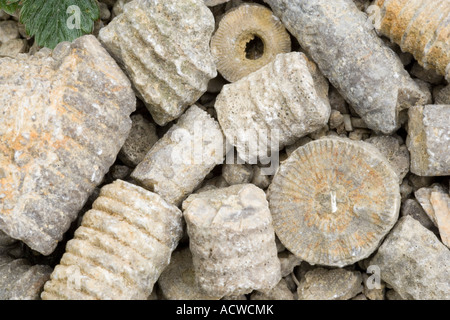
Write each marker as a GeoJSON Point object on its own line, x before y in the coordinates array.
{"type": "Point", "coordinates": [333, 200]}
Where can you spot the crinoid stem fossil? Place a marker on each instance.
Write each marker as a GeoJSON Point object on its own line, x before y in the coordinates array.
{"type": "Point", "coordinates": [338, 37]}
{"type": "Point", "coordinates": [421, 27]}
{"type": "Point", "coordinates": [120, 249]}
{"type": "Point", "coordinates": [241, 27]}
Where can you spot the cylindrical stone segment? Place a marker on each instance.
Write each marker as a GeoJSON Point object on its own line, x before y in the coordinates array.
{"type": "Point", "coordinates": [64, 117]}
{"type": "Point", "coordinates": [421, 27]}
{"type": "Point", "coordinates": [182, 158]}
{"type": "Point", "coordinates": [333, 201]}
{"type": "Point", "coordinates": [274, 106]}
{"type": "Point", "coordinates": [120, 249]}
{"type": "Point", "coordinates": [21, 281]}
{"type": "Point", "coordinates": [343, 43]}
{"type": "Point", "coordinates": [163, 46]}
{"type": "Point", "coordinates": [232, 240]}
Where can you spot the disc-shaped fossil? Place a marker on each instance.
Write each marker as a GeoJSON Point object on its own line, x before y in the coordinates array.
{"type": "Point", "coordinates": [333, 200]}
{"type": "Point", "coordinates": [248, 38]}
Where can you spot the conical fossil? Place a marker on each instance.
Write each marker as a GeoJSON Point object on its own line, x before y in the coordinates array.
{"type": "Point", "coordinates": [64, 117]}
{"type": "Point", "coordinates": [421, 27]}
{"type": "Point", "coordinates": [164, 48]}
{"type": "Point", "coordinates": [120, 249]}
{"type": "Point", "coordinates": [238, 29]}
{"type": "Point", "coordinates": [333, 201]}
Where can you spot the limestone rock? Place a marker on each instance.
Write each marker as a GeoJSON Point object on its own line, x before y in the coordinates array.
{"type": "Point", "coordinates": [333, 201]}
{"type": "Point", "coordinates": [335, 284]}
{"type": "Point", "coordinates": [13, 47]}
{"type": "Point", "coordinates": [21, 281]}
{"type": "Point", "coordinates": [169, 72]}
{"type": "Point", "coordinates": [442, 96]}
{"type": "Point", "coordinates": [232, 240]}
{"type": "Point", "coordinates": [429, 75]}
{"type": "Point", "coordinates": [397, 154]}
{"type": "Point", "coordinates": [323, 28]}
{"type": "Point", "coordinates": [279, 292]}
{"type": "Point", "coordinates": [141, 139]}
{"type": "Point", "coordinates": [120, 249]}
{"type": "Point", "coordinates": [177, 282]}
{"type": "Point", "coordinates": [420, 27]}
{"type": "Point", "coordinates": [237, 173]}
{"type": "Point", "coordinates": [9, 30]}
{"type": "Point", "coordinates": [423, 196]}
{"type": "Point", "coordinates": [441, 207]}
{"type": "Point", "coordinates": [211, 3]}
{"type": "Point", "coordinates": [429, 140]}
{"type": "Point", "coordinates": [288, 262]}
{"type": "Point", "coordinates": [64, 118]}
{"type": "Point", "coordinates": [412, 208]}
{"type": "Point", "coordinates": [181, 159]}
{"type": "Point", "coordinates": [414, 262]}
{"type": "Point", "coordinates": [373, 293]}
{"type": "Point", "coordinates": [274, 106]}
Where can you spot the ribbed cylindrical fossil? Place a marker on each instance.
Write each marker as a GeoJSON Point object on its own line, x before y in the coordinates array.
{"type": "Point", "coordinates": [421, 27]}
{"type": "Point", "coordinates": [232, 240]}
{"type": "Point", "coordinates": [333, 200]}
{"type": "Point", "coordinates": [21, 281]}
{"type": "Point", "coordinates": [64, 117]}
{"type": "Point", "coordinates": [284, 100]}
{"type": "Point", "coordinates": [164, 48]}
{"type": "Point", "coordinates": [341, 40]}
{"type": "Point", "coordinates": [248, 38]}
{"type": "Point", "coordinates": [177, 282]}
{"type": "Point", "coordinates": [120, 249]}
{"type": "Point", "coordinates": [182, 158]}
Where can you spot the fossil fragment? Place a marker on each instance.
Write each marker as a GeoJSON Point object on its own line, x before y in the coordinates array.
{"type": "Point", "coordinates": [64, 118]}
{"type": "Point", "coordinates": [414, 262]}
{"type": "Point", "coordinates": [248, 37]}
{"type": "Point", "coordinates": [232, 240]}
{"type": "Point", "coordinates": [367, 73]}
{"type": "Point", "coordinates": [177, 282]}
{"type": "Point", "coordinates": [333, 201]}
{"type": "Point", "coordinates": [181, 159]}
{"type": "Point", "coordinates": [420, 27]}
{"type": "Point", "coordinates": [274, 106]}
{"type": "Point", "coordinates": [120, 249]}
{"type": "Point", "coordinates": [169, 71]}
{"type": "Point", "coordinates": [429, 140]}
{"type": "Point", "coordinates": [21, 281]}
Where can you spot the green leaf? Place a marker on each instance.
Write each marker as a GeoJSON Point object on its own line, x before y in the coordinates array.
{"type": "Point", "coordinates": [9, 6]}
{"type": "Point", "coordinates": [55, 21]}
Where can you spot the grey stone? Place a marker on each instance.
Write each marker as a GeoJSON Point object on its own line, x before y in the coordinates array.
{"type": "Point", "coordinates": [336, 119]}
{"type": "Point", "coordinates": [337, 102]}
{"type": "Point", "coordinates": [21, 281]}
{"type": "Point", "coordinates": [279, 292]}
{"type": "Point", "coordinates": [105, 14]}
{"type": "Point", "coordinates": [442, 95]}
{"type": "Point", "coordinates": [237, 173]}
{"type": "Point", "coordinates": [414, 262]}
{"type": "Point", "coordinates": [429, 140]}
{"type": "Point", "coordinates": [423, 196]}
{"type": "Point", "coordinates": [412, 208]}
{"type": "Point", "coordinates": [8, 30]}
{"type": "Point", "coordinates": [260, 179]}
{"type": "Point", "coordinates": [419, 182]}
{"type": "Point", "coordinates": [334, 284]}
{"type": "Point", "coordinates": [181, 159]}
{"type": "Point", "coordinates": [169, 72]}
{"type": "Point", "coordinates": [211, 3]}
{"type": "Point", "coordinates": [323, 28]}
{"type": "Point", "coordinates": [405, 57]}
{"type": "Point", "coordinates": [65, 115]}
{"type": "Point", "coordinates": [232, 240]}
{"type": "Point", "coordinates": [393, 295]}
{"type": "Point", "coordinates": [13, 47]}
{"type": "Point", "coordinates": [373, 293]}
{"type": "Point", "coordinates": [140, 140]}
{"type": "Point", "coordinates": [427, 75]}
{"type": "Point", "coordinates": [4, 15]}
{"type": "Point", "coordinates": [397, 154]}
{"type": "Point", "coordinates": [288, 262]}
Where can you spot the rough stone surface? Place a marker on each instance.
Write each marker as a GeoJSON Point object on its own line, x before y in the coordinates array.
{"type": "Point", "coordinates": [323, 28]}
{"type": "Point", "coordinates": [169, 72]}
{"type": "Point", "coordinates": [281, 102]}
{"type": "Point", "coordinates": [442, 96]}
{"type": "Point", "coordinates": [237, 28]}
{"type": "Point", "coordinates": [64, 118]}
{"type": "Point", "coordinates": [340, 213]}
{"type": "Point", "coordinates": [181, 159]}
{"type": "Point", "coordinates": [429, 140]}
{"type": "Point", "coordinates": [414, 262]}
{"type": "Point", "coordinates": [177, 282]}
{"type": "Point", "coordinates": [420, 27]}
{"type": "Point", "coordinates": [21, 281]}
{"type": "Point", "coordinates": [120, 249]}
{"type": "Point", "coordinates": [237, 173]}
{"type": "Point", "coordinates": [260, 179]}
{"type": "Point", "coordinates": [374, 293]}
{"type": "Point", "coordinates": [412, 208]}
{"type": "Point", "coordinates": [232, 240]}
{"type": "Point", "coordinates": [441, 207]}
{"type": "Point", "coordinates": [393, 295]}
{"type": "Point", "coordinates": [397, 154]}
{"type": "Point", "coordinates": [8, 31]}
{"type": "Point", "coordinates": [141, 139]}
{"type": "Point", "coordinates": [13, 47]}
{"type": "Point", "coordinates": [279, 292]}
{"type": "Point", "coordinates": [423, 196]}
{"type": "Point", "coordinates": [288, 262]}
{"type": "Point", "coordinates": [335, 284]}
{"type": "Point", "coordinates": [429, 75]}
{"type": "Point", "coordinates": [211, 3]}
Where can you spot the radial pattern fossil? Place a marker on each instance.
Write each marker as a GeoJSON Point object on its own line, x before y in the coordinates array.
{"type": "Point", "coordinates": [248, 38]}
{"type": "Point", "coordinates": [333, 201]}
